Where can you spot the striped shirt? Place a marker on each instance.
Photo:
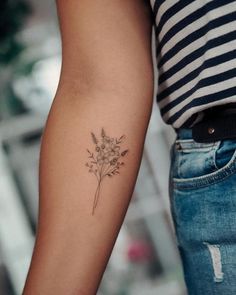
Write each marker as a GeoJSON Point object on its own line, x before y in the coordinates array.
{"type": "Point", "coordinates": [196, 58]}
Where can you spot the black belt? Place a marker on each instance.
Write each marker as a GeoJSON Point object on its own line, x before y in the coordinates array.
{"type": "Point", "coordinates": [215, 128]}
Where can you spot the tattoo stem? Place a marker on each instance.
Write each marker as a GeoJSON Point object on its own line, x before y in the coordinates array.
{"type": "Point", "coordinates": [96, 175]}
{"type": "Point", "coordinates": [96, 196]}
{"type": "Point", "coordinates": [108, 167]}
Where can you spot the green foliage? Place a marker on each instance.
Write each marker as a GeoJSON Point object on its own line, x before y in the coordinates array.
{"type": "Point", "coordinates": [13, 14]}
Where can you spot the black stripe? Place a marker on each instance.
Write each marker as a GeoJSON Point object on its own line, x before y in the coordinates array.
{"type": "Point", "coordinates": [190, 19]}
{"type": "Point", "coordinates": [204, 100]}
{"type": "Point", "coordinates": [156, 6]}
{"type": "Point", "coordinates": [192, 75]}
{"type": "Point", "coordinates": [170, 12]}
{"type": "Point", "coordinates": [196, 35]}
{"type": "Point", "coordinates": [182, 61]}
{"type": "Point", "coordinates": [196, 54]}
{"type": "Point", "coordinates": [203, 83]}
{"type": "Point", "coordinates": [189, 121]}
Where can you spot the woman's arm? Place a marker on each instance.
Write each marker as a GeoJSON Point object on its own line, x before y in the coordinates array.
{"type": "Point", "coordinates": [105, 93]}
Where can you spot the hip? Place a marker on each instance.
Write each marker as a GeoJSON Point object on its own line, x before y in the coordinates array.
{"type": "Point", "coordinates": [200, 164]}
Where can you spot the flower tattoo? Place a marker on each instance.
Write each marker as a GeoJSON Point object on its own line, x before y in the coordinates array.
{"type": "Point", "coordinates": [106, 160]}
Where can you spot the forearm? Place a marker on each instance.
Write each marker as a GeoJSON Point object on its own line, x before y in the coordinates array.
{"type": "Point", "coordinates": [73, 244]}
{"type": "Point", "coordinates": [106, 84]}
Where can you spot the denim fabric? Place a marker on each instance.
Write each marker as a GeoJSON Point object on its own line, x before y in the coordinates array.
{"type": "Point", "coordinates": [202, 190]}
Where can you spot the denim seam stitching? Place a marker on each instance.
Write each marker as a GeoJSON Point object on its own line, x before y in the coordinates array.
{"type": "Point", "coordinates": [205, 180]}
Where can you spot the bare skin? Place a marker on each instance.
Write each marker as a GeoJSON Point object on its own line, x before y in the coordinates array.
{"type": "Point", "coordinates": [106, 82]}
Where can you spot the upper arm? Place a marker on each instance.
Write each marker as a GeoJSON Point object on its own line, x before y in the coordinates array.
{"type": "Point", "coordinates": [106, 47]}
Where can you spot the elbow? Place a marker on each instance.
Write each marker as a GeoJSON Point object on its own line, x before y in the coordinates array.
{"type": "Point", "coordinates": [110, 79]}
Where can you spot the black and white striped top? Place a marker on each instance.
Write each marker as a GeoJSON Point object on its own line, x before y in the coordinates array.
{"type": "Point", "coordinates": [196, 58]}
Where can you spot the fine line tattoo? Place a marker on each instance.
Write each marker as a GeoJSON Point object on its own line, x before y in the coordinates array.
{"type": "Point", "coordinates": [106, 159]}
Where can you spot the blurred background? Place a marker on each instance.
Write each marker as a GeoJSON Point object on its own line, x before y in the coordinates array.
{"type": "Point", "coordinates": [145, 260]}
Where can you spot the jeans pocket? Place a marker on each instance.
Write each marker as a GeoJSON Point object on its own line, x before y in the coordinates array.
{"type": "Point", "coordinates": [199, 164]}
{"type": "Point", "coordinates": [192, 159]}
{"type": "Point", "coordinates": [224, 152]}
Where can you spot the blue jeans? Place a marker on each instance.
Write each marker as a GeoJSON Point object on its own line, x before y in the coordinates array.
{"type": "Point", "coordinates": [202, 190]}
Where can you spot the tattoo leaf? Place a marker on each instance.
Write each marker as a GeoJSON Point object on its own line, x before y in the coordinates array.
{"type": "Point", "coordinates": [124, 153]}
{"type": "Point", "coordinates": [103, 133]}
{"type": "Point", "coordinates": [94, 138]}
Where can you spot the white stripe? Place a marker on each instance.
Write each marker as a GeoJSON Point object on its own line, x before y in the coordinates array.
{"type": "Point", "coordinates": [163, 8]}
{"type": "Point", "coordinates": [201, 92]}
{"type": "Point", "coordinates": [217, 32]}
{"type": "Point", "coordinates": [196, 109]}
{"type": "Point", "coordinates": [205, 19]}
{"type": "Point", "coordinates": [213, 52]}
{"type": "Point", "coordinates": [152, 2]}
{"type": "Point", "coordinates": [206, 73]}
{"type": "Point", "coordinates": [194, 64]}
{"type": "Point", "coordinates": [180, 15]}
